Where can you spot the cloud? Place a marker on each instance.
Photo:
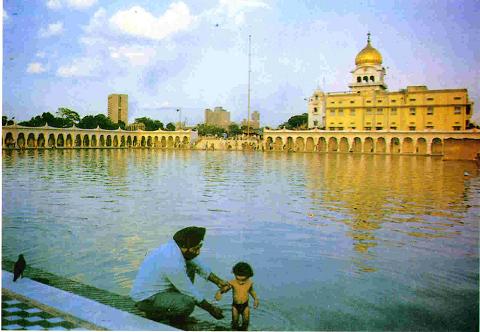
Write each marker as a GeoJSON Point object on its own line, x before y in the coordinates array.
{"type": "Point", "coordinates": [52, 30]}
{"type": "Point", "coordinates": [81, 67]}
{"type": "Point", "coordinates": [40, 55]}
{"type": "Point", "coordinates": [75, 4]}
{"type": "Point", "coordinates": [138, 22]}
{"type": "Point", "coordinates": [136, 55]}
{"type": "Point", "coordinates": [35, 68]}
{"type": "Point", "coordinates": [235, 9]}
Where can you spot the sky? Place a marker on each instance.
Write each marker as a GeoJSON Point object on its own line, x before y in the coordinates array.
{"type": "Point", "coordinates": [193, 54]}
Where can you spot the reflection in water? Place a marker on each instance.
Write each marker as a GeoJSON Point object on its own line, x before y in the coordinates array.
{"type": "Point", "coordinates": [337, 242]}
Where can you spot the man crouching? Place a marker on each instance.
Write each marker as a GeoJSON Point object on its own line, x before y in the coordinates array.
{"type": "Point", "coordinates": [164, 288]}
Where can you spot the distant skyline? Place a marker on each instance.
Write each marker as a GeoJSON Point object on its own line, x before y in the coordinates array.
{"type": "Point", "coordinates": [193, 54]}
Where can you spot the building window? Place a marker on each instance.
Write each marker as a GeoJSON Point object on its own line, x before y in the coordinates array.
{"type": "Point", "coordinates": [316, 97]}
{"type": "Point", "coordinates": [378, 128]}
{"type": "Point", "coordinates": [315, 123]}
{"type": "Point", "coordinates": [369, 111]}
{"type": "Point", "coordinates": [394, 123]}
{"type": "Point", "coordinates": [340, 112]}
{"type": "Point", "coordinates": [379, 101]}
{"type": "Point", "coordinates": [458, 110]}
{"type": "Point", "coordinates": [430, 99]}
{"type": "Point", "coordinates": [351, 102]}
{"type": "Point", "coordinates": [331, 128]}
{"type": "Point", "coordinates": [372, 79]}
{"type": "Point", "coordinates": [457, 98]}
{"type": "Point", "coordinates": [369, 123]}
{"type": "Point", "coordinates": [379, 110]}
{"type": "Point", "coordinates": [332, 112]}
{"type": "Point", "coordinates": [456, 128]}
{"type": "Point", "coordinates": [365, 79]}
{"type": "Point", "coordinates": [413, 111]}
{"type": "Point", "coordinates": [369, 101]}
{"type": "Point", "coordinates": [368, 128]}
{"type": "Point", "coordinates": [429, 127]}
{"type": "Point", "coordinates": [315, 110]}
{"type": "Point", "coordinates": [393, 101]}
{"type": "Point", "coordinates": [393, 111]}
{"type": "Point", "coordinates": [353, 128]}
{"type": "Point", "coordinates": [352, 112]}
{"type": "Point", "coordinates": [430, 111]}
{"type": "Point", "coordinates": [393, 128]}
{"type": "Point", "coordinates": [359, 79]}
{"type": "Point", "coordinates": [413, 99]}
{"type": "Point", "coordinates": [340, 128]}
{"type": "Point", "coordinates": [411, 128]}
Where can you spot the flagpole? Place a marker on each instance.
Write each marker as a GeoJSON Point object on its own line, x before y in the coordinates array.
{"type": "Point", "coordinates": [249, 73]}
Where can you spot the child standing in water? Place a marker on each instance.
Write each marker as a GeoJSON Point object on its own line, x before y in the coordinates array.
{"type": "Point", "coordinates": [242, 287]}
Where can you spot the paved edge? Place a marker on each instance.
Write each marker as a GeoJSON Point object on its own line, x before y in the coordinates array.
{"type": "Point", "coordinates": [98, 316]}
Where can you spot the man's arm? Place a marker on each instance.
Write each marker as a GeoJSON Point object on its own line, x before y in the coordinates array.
{"type": "Point", "coordinates": [217, 281]}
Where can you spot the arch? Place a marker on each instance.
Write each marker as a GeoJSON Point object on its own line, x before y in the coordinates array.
{"type": "Point", "coordinates": [177, 141]}
{"type": "Point", "coordinates": [407, 145]}
{"type": "Point", "coordinates": [41, 141]}
{"type": "Point", "coordinates": [332, 144]}
{"type": "Point", "coordinates": [109, 141]}
{"type": "Point", "coordinates": [269, 144]}
{"type": "Point", "coordinates": [60, 141]}
{"type": "Point", "coordinates": [359, 79]}
{"type": "Point", "coordinates": [310, 145]}
{"type": "Point", "coordinates": [102, 141]}
{"type": "Point", "coordinates": [86, 141]}
{"type": "Point", "coordinates": [421, 146]}
{"type": "Point", "coordinates": [381, 146]}
{"type": "Point", "coordinates": [69, 141]}
{"type": "Point", "coordinates": [135, 141]}
{"type": "Point", "coordinates": [357, 145]}
{"type": "Point", "coordinates": [437, 146]}
{"type": "Point", "coordinates": [368, 145]}
{"type": "Point", "coordinates": [78, 141]}
{"type": "Point", "coordinates": [122, 141]}
{"type": "Point", "coordinates": [31, 140]}
{"type": "Point", "coordinates": [394, 145]}
{"type": "Point", "coordinates": [163, 142]}
{"type": "Point", "coordinates": [290, 145]}
{"type": "Point", "coordinates": [372, 78]}
{"type": "Point", "coordinates": [322, 145]}
{"type": "Point", "coordinates": [170, 142]}
{"type": "Point", "coordinates": [344, 145]}
{"type": "Point", "coordinates": [21, 140]}
{"type": "Point", "coordinates": [143, 142]}
{"type": "Point", "coordinates": [129, 141]}
{"type": "Point", "coordinates": [115, 141]}
{"type": "Point", "coordinates": [10, 141]}
{"type": "Point", "coordinates": [299, 144]}
{"type": "Point", "coordinates": [51, 140]}
{"type": "Point", "coordinates": [93, 141]}
{"type": "Point", "coordinates": [156, 142]}
{"type": "Point", "coordinates": [278, 146]}
{"type": "Point", "coordinates": [365, 79]}
{"type": "Point", "coordinates": [185, 141]}
{"type": "Point", "coordinates": [149, 141]}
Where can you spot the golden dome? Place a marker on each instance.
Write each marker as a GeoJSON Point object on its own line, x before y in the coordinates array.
{"type": "Point", "coordinates": [368, 55]}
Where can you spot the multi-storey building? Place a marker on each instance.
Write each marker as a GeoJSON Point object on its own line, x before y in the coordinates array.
{"type": "Point", "coordinates": [218, 117]}
{"type": "Point", "coordinates": [118, 108]}
{"type": "Point", "coordinates": [369, 106]}
{"type": "Point", "coordinates": [254, 120]}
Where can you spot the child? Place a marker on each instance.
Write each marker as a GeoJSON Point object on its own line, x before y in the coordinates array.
{"type": "Point", "coordinates": [242, 286]}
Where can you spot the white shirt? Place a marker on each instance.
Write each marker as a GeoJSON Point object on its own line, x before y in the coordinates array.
{"type": "Point", "coordinates": [164, 269]}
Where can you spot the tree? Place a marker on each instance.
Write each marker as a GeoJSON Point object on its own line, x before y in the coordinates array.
{"type": "Point", "coordinates": [99, 120]}
{"type": "Point", "coordinates": [209, 130]}
{"type": "Point", "coordinates": [69, 115]}
{"type": "Point", "coordinates": [296, 122]}
{"type": "Point", "coordinates": [150, 124]}
{"type": "Point", "coordinates": [234, 129]}
{"type": "Point", "coordinates": [170, 126]}
{"type": "Point", "coordinates": [6, 121]}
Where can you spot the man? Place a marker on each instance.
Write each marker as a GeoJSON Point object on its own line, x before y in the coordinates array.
{"type": "Point", "coordinates": [164, 288]}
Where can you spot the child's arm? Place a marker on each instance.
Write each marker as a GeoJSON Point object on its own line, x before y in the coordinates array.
{"type": "Point", "coordinates": [255, 297]}
{"type": "Point", "coordinates": [224, 289]}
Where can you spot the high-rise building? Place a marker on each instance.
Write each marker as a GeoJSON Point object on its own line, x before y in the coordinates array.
{"type": "Point", "coordinates": [370, 106]}
{"type": "Point", "coordinates": [218, 117]}
{"type": "Point", "coordinates": [254, 120]}
{"type": "Point", "coordinates": [118, 108]}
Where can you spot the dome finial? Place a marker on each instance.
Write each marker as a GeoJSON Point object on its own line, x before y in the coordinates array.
{"type": "Point", "coordinates": [368, 37]}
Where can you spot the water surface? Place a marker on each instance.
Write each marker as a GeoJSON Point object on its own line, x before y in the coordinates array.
{"type": "Point", "coordinates": [336, 241]}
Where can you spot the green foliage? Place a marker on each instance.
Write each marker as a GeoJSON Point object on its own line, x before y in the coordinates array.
{"type": "Point", "coordinates": [150, 124]}
{"type": "Point", "coordinates": [69, 115]}
{"type": "Point", "coordinates": [170, 126]}
{"type": "Point", "coordinates": [234, 129]}
{"type": "Point", "coordinates": [209, 130]}
{"type": "Point", "coordinates": [47, 118]}
{"type": "Point", "coordinates": [99, 120]}
{"type": "Point", "coordinates": [296, 122]}
{"type": "Point", "coordinates": [6, 121]}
